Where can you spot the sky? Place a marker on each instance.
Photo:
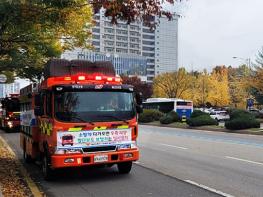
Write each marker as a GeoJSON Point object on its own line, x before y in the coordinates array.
{"type": "Point", "coordinates": [212, 32]}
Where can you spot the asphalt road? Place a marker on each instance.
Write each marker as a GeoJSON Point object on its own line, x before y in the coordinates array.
{"type": "Point", "coordinates": [231, 163]}
{"type": "Point", "coordinates": [107, 182]}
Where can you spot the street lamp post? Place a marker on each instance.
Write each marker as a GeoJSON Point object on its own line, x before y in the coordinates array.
{"type": "Point", "coordinates": [247, 60]}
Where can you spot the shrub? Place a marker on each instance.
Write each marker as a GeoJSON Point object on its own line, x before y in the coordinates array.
{"type": "Point", "coordinates": [241, 119]}
{"type": "Point", "coordinates": [169, 118]}
{"type": "Point", "coordinates": [197, 113]}
{"type": "Point", "coordinates": [237, 113]}
{"type": "Point", "coordinates": [166, 119]}
{"type": "Point", "coordinates": [242, 123]}
{"type": "Point", "coordinates": [175, 117]}
{"type": "Point", "coordinates": [150, 115]}
{"type": "Point", "coordinates": [201, 120]}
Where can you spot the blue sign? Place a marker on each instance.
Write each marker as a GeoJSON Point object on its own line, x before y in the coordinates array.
{"type": "Point", "coordinates": [250, 102]}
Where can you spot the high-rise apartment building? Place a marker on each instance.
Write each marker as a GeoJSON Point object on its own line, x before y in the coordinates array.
{"type": "Point", "coordinates": [159, 47]}
{"type": "Point", "coordinates": [7, 89]}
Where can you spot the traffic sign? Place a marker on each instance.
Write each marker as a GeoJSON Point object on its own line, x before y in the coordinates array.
{"type": "Point", "coordinates": [3, 78]}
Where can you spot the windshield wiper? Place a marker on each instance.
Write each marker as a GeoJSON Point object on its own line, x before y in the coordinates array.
{"type": "Point", "coordinates": [116, 118]}
{"type": "Point", "coordinates": [82, 120]}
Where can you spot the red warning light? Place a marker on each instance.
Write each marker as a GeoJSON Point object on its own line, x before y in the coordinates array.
{"type": "Point", "coordinates": [98, 78]}
{"type": "Point", "coordinates": [67, 78]}
{"type": "Point", "coordinates": [81, 78]}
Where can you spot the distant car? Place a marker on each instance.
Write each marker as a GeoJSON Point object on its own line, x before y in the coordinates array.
{"type": "Point", "coordinates": [257, 113]}
{"type": "Point", "coordinates": [219, 115]}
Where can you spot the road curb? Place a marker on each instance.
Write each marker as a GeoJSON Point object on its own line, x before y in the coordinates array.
{"type": "Point", "coordinates": [32, 186]}
{"type": "Point", "coordinates": [209, 129]}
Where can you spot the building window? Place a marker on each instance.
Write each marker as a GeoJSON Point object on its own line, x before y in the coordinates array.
{"type": "Point", "coordinates": [148, 37]}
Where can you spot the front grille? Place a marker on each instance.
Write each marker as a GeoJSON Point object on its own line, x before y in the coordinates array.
{"type": "Point", "coordinates": [86, 159]}
{"type": "Point", "coordinates": [114, 157]}
{"type": "Point", "coordinates": [99, 149]}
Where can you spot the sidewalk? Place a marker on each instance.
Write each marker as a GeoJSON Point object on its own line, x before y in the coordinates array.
{"type": "Point", "coordinates": [12, 182]}
{"type": "Point", "coordinates": [1, 195]}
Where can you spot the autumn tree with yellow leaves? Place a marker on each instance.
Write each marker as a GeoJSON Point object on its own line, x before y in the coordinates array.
{"type": "Point", "coordinates": [173, 85]}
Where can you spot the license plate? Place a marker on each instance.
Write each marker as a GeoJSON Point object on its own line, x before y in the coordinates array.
{"type": "Point", "coordinates": [100, 158]}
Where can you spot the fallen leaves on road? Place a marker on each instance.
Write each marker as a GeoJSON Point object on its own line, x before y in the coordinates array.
{"type": "Point", "coordinates": [11, 180]}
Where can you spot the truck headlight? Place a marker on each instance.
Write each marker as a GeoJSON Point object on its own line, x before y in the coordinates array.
{"type": "Point", "coordinates": [68, 151]}
{"type": "Point", "coordinates": [10, 124]}
{"type": "Point", "coordinates": [127, 146]}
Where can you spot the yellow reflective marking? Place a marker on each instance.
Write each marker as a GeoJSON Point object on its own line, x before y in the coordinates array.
{"type": "Point", "coordinates": [75, 129]}
{"type": "Point", "coordinates": [123, 127]}
{"type": "Point", "coordinates": [100, 128]}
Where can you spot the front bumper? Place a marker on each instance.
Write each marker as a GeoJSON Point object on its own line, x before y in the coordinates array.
{"type": "Point", "coordinates": [58, 161]}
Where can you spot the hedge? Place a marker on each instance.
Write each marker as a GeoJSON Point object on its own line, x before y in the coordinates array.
{"type": "Point", "coordinates": [241, 119]}
{"type": "Point", "coordinates": [150, 115]}
{"type": "Point", "coordinates": [169, 118]}
{"type": "Point", "coordinates": [201, 120]}
{"type": "Point", "coordinates": [242, 123]}
{"type": "Point", "coordinates": [238, 113]}
{"type": "Point", "coordinates": [197, 113]}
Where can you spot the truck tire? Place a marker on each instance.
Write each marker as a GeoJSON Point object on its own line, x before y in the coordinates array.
{"type": "Point", "coordinates": [48, 173]}
{"type": "Point", "coordinates": [125, 167]}
{"type": "Point", "coordinates": [27, 158]}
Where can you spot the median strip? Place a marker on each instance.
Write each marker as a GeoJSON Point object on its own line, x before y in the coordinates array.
{"type": "Point", "coordinates": [244, 160]}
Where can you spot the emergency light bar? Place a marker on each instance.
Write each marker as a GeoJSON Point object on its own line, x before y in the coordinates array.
{"type": "Point", "coordinates": [82, 78]}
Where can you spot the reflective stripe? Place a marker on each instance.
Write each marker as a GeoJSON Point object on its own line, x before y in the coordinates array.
{"type": "Point", "coordinates": [123, 127]}
{"type": "Point", "coordinates": [100, 128]}
{"type": "Point", "coordinates": [75, 129]}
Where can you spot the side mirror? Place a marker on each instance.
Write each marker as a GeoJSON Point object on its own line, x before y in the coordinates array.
{"type": "Point", "coordinates": [138, 98]}
{"type": "Point", "coordinates": [39, 111]}
{"type": "Point", "coordinates": [139, 109]}
{"type": "Point", "coordinates": [38, 100]}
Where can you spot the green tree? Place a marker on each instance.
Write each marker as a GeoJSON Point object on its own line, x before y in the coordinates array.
{"type": "Point", "coordinates": [257, 78]}
{"type": "Point", "coordinates": [31, 32]}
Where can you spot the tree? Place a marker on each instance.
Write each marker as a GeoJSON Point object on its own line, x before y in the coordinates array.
{"type": "Point", "coordinates": [172, 85]}
{"type": "Point", "coordinates": [131, 11]}
{"type": "Point", "coordinates": [238, 85]}
{"type": "Point", "coordinates": [200, 89]}
{"type": "Point", "coordinates": [257, 78]}
{"type": "Point", "coordinates": [219, 92]}
{"type": "Point", "coordinates": [139, 86]}
{"type": "Point", "coordinates": [259, 59]}
{"type": "Point", "coordinates": [33, 31]}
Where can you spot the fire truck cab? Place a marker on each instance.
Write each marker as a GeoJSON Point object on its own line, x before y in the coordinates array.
{"type": "Point", "coordinates": [10, 116]}
{"type": "Point", "coordinates": [80, 114]}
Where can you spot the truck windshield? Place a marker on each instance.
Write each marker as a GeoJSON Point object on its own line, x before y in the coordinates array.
{"type": "Point", "coordinates": [94, 106]}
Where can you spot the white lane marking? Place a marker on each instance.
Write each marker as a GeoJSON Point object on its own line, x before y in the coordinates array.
{"type": "Point", "coordinates": [136, 162]}
{"type": "Point", "coordinates": [209, 188]}
{"type": "Point", "coordinates": [173, 146]}
{"type": "Point", "coordinates": [245, 160]}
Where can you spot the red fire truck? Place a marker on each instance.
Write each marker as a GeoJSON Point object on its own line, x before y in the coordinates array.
{"type": "Point", "coordinates": [68, 120]}
{"type": "Point", "coordinates": [10, 117]}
